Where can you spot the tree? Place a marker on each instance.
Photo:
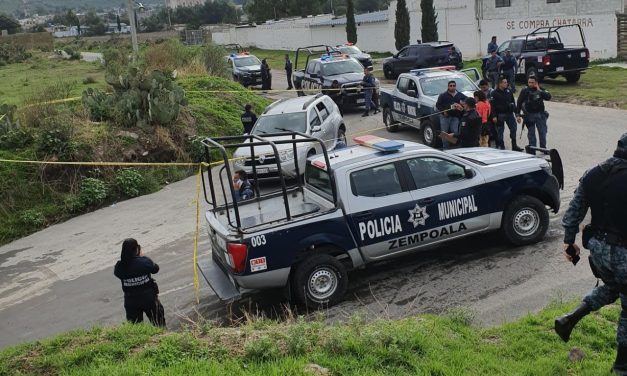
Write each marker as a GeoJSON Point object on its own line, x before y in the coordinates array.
{"type": "Point", "coordinates": [429, 21]}
{"type": "Point", "coordinates": [117, 20]}
{"type": "Point", "coordinates": [351, 28]}
{"type": "Point", "coordinates": [401, 27]}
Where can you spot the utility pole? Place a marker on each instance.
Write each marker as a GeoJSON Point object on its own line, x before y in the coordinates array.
{"type": "Point", "coordinates": [167, 9]}
{"type": "Point", "coordinates": [131, 17]}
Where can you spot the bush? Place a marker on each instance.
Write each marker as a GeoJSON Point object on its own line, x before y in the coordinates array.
{"type": "Point", "coordinates": [56, 142]}
{"type": "Point", "coordinates": [38, 111]}
{"type": "Point", "coordinates": [262, 349]}
{"type": "Point", "coordinates": [32, 218]}
{"type": "Point", "coordinates": [72, 54]}
{"type": "Point", "coordinates": [15, 139]}
{"type": "Point", "coordinates": [129, 182]}
{"type": "Point", "coordinates": [98, 104]}
{"type": "Point", "coordinates": [93, 192]}
{"type": "Point", "coordinates": [89, 80]}
{"type": "Point", "coordinates": [168, 57]}
{"type": "Point", "coordinates": [213, 57]}
{"type": "Point", "coordinates": [13, 53]}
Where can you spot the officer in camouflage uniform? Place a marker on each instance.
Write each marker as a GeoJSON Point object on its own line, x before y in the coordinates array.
{"type": "Point", "coordinates": [603, 189]}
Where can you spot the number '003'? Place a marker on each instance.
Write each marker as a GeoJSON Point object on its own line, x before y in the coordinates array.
{"type": "Point", "coordinates": [256, 241]}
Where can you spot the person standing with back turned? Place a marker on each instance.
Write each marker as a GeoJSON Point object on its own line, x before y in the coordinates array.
{"type": "Point", "coordinates": [140, 290]}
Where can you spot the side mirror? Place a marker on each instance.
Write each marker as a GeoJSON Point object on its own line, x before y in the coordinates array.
{"type": "Point", "coordinates": [316, 129]}
{"type": "Point", "coordinates": [411, 93]}
{"type": "Point", "coordinates": [469, 173]}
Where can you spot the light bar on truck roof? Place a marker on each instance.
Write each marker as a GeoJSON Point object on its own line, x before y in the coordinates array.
{"type": "Point", "coordinates": [379, 143]}
{"type": "Point", "coordinates": [418, 72]}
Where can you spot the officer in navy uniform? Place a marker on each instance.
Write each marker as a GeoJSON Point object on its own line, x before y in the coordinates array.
{"type": "Point", "coordinates": [248, 119]}
{"type": "Point", "coordinates": [288, 71]}
{"type": "Point", "coordinates": [140, 290]}
{"type": "Point", "coordinates": [509, 69]}
{"type": "Point", "coordinates": [531, 100]}
{"type": "Point", "coordinates": [602, 189]}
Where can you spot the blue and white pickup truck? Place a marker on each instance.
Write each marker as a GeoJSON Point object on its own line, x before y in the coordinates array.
{"type": "Point", "coordinates": [364, 204]}
{"type": "Point", "coordinates": [412, 101]}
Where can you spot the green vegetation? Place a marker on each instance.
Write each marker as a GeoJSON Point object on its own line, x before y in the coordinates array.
{"type": "Point", "coordinates": [351, 28]}
{"type": "Point", "coordinates": [429, 21]}
{"type": "Point", "coordinates": [402, 25]}
{"type": "Point", "coordinates": [425, 345]}
{"type": "Point", "coordinates": [143, 117]}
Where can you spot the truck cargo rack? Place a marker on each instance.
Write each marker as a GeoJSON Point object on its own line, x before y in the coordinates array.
{"type": "Point", "coordinates": [221, 144]}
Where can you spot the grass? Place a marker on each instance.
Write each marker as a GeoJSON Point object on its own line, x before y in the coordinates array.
{"type": "Point", "coordinates": [19, 82]}
{"type": "Point", "coordinates": [425, 345]}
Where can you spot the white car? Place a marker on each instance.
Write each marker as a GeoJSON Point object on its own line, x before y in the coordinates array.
{"type": "Point", "coordinates": [316, 116]}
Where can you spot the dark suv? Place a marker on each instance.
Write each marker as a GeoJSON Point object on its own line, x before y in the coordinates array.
{"type": "Point", "coordinates": [424, 55]}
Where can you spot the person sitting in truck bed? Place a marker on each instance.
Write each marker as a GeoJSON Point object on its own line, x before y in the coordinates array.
{"type": "Point", "coordinates": [243, 187]}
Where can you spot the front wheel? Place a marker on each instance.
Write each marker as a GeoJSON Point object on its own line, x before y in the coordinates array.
{"type": "Point", "coordinates": [429, 135]}
{"type": "Point", "coordinates": [388, 120]}
{"type": "Point", "coordinates": [525, 221]}
{"type": "Point", "coordinates": [320, 281]}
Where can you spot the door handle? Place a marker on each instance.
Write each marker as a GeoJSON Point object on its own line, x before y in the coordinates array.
{"type": "Point", "coordinates": [363, 215]}
{"type": "Point", "coordinates": [426, 201]}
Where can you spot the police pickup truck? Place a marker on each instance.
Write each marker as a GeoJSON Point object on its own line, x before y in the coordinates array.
{"type": "Point", "coordinates": [362, 204]}
{"type": "Point", "coordinates": [412, 101]}
{"type": "Point", "coordinates": [548, 52]}
{"type": "Point", "coordinates": [324, 65]}
{"type": "Point", "coordinates": [245, 68]}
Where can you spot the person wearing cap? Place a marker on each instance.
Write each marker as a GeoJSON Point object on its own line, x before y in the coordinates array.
{"type": "Point", "coordinates": [531, 105]}
{"type": "Point", "coordinates": [469, 127]}
{"type": "Point", "coordinates": [602, 190]}
{"type": "Point", "coordinates": [492, 46]}
{"type": "Point", "coordinates": [248, 119]}
{"type": "Point", "coordinates": [493, 65]}
{"type": "Point", "coordinates": [508, 69]}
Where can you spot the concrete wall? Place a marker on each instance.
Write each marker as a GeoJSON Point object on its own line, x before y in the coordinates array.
{"type": "Point", "coordinates": [467, 23]}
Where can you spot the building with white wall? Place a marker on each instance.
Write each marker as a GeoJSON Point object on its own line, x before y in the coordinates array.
{"type": "Point", "coordinates": [468, 23]}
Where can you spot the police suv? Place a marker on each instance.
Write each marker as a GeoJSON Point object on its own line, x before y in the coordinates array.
{"type": "Point", "coordinates": [366, 203]}
{"type": "Point", "coordinates": [319, 73]}
{"type": "Point", "coordinates": [412, 101]}
{"type": "Point", "coordinates": [245, 68]}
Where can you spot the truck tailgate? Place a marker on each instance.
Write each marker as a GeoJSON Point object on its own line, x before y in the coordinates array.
{"type": "Point", "coordinates": [217, 278]}
{"type": "Point", "coordinates": [575, 59]}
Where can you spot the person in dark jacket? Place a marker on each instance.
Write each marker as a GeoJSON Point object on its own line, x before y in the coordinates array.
{"type": "Point", "coordinates": [243, 187]}
{"type": "Point", "coordinates": [140, 290]}
{"type": "Point", "coordinates": [369, 84]}
{"type": "Point", "coordinates": [288, 71]}
{"type": "Point", "coordinates": [469, 127]}
{"type": "Point", "coordinates": [248, 119]}
{"type": "Point", "coordinates": [450, 105]}
{"type": "Point", "coordinates": [509, 69]}
{"type": "Point", "coordinates": [531, 106]}
{"type": "Point", "coordinates": [266, 76]}
{"type": "Point", "coordinates": [493, 46]}
{"type": "Point", "coordinates": [503, 107]}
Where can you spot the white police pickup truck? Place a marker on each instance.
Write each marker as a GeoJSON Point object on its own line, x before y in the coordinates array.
{"type": "Point", "coordinates": [365, 203]}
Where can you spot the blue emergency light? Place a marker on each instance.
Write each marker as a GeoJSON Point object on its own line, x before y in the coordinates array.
{"type": "Point", "coordinates": [420, 71]}
{"type": "Point", "coordinates": [379, 143]}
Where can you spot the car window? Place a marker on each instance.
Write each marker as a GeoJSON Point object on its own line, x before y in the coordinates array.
{"type": "Point", "coordinates": [404, 52]}
{"type": "Point", "coordinates": [342, 67]}
{"type": "Point", "coordinates": [430, 171]}
{"type": "Point", "coordinates": [414, 51]}
{"type": "Point", "coordinates": [246, 61]}
{"type": "Point", "coordinates": [310, 66]}
{"type": "Point", "coordinates": [412, 86]}
{"type": "Point", "coordinates": [505, 45]}
{"type": "Point", "coordinates": [516, 45]}
{"type": "Point", "coordinates": [322, 109]}
{"type": "Point", "coordinates": [329, 104]}
{"type": "Point", "coordinates": [432, 86]}
{"type": "Point", "coordinates": [402, 84]}
{"type": "Point", "coordinates": [314, 119]}
{"type": "Point", "coordinates": [319, 179]}
{"type": "Point", "coordinates": [294, 121]}
{"type": "Point", "coordinates": [376, 181]}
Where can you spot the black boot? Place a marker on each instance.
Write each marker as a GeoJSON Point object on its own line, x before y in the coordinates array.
{"type": "Point", "coordinates": [515, 147]}
{"type": "Point", "coordinates": [565, 324]}
{"type": "Point", "coordinates": [365, 114]}
{"type": "Point", "coordinates": [620, 365]}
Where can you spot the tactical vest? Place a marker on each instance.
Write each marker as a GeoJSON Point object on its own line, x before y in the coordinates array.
{"type": "Point", "coordinates": [606, 193]}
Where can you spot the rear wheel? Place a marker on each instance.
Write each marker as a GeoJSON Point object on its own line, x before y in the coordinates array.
{"type": "Point", "coordinates": [525, 221]}
{"type": "Point", "coordinates": [320, 281]}
{"type": "Point", "coordinates": [388, 72]}
{"type": "Point", "coordinates": [341, 136]}
{"type": "Point", "coordinates": [428, 133]}
{"type": "Point", "coordinates": [388, 120]}
{"type": "Point", "coordinates": [573, 78]}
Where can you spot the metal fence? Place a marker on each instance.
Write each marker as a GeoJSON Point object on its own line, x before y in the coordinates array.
{"type": "Point", "coordinates": [194, 37]}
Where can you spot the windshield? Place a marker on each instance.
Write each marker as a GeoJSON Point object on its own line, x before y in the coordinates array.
{"type": "Point", "coordinates": [349, 50]}
{"type": "Point", "coordinates": [341, 67]}
{"type": "Point", "coordinates": [296, 121]}
{"type": "Point", "coordinates": [246, 61]}
{"type": "Point", "coordinates": [437, 85]}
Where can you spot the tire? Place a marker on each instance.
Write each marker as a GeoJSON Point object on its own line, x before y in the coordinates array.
{"type": "Point", "coordinates": [573, 78]}
{"type": "Point", "coordinates": [525, 221]}
{"type": "Point", "coordinates": [388, 120]}
{"type": "Point", "coordinates": [388, 72]}
{"type": "Point", "coordinates": [341, 136]}
{"type": "Point", "coordinates": [533, 71]}
{"type": "Point", "coordinates": [320, 281]}
{"type": "Point", "coordinates": [428, 133]}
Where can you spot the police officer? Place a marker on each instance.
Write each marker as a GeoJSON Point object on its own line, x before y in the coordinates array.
{"type": "Point", "coordinates": [243, 186]}
{"type": "Point", "coordinates": [602, 189]}
{"type": "Point", "coordinates": [469, 127]}
{"type": "Point", "coordinates": [492, 46]}
{"type": "Point", "coordinates": [493, 65]}
{"type": "Point", "coordinates": [288, 71]}
{"type": "Point", "coordinates": [140, 290]}
{"type": "Point", "coordinates": [503, 107]}
{"type": "Point", "coordinates": [248, 119]}
{"type": "Point", "coordinates": [450, 105]}
{"type": "Point", "coordinates": [509, 69]}
{"type": "Point", "coordinates": [531, 105]}
{"type": "Point", "coordinates": [266, 76]}
{"type": "Point", "coordinates": [369, 84]}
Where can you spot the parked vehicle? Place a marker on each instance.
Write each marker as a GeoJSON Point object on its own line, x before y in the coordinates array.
{"type": "Point", "coordinates": [417, 56]}
{"type": "Point", "coordinates": [412, 101]}
{"type": "Point", "coordinates": [323, 65]}
{"type": "Point", "coordinates": [316, 116]}
{"type": "Point", "coordinates": [363, 204]}
{"type": "Point", "coordinates": [542, 53]}
{"type": "Point", "coordinates": [245, 68]}
{"type": "Point", "coordinates": [353, 51]}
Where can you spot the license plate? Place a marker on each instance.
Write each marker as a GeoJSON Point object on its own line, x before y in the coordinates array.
{"type": "Point", "coordinates": [360, 100]}
{"type": "Point", "coordinates": [559, 69]}
{"type": "Point", "coordinates": [262, 170]}
{"type": "Point", "coordinates": [583, 54]}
